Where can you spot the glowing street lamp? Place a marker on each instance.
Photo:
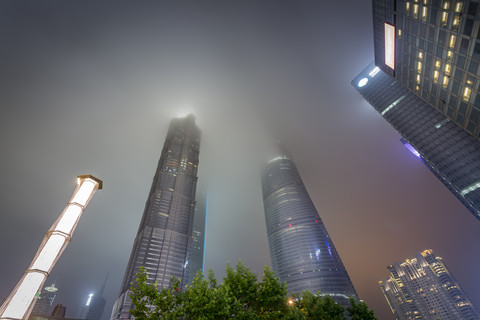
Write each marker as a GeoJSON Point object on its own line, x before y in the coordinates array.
{"type": "Point", "coordinates": [21, 300]}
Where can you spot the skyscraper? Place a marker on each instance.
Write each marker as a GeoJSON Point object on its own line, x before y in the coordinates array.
{"type": "Point", "coordinates": [197, 254]}
{"type": "Point", "coordinates": [301, 251]}
{"type": "Point", "coordinates": [44, 303]}
{"type": "Point", "coordinates": [164, 238]}
{"type": "Point", "coordinates": [425, 82]}
{"type": "Point", "coordinates": [423, 288]}
{"type": "Point", "coordinates": [97, 303]}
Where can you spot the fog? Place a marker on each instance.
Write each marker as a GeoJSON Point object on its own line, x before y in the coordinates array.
{"type": "Point", "coordinates": [90, 88]}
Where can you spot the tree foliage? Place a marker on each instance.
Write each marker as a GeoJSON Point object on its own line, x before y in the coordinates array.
{"type": "Point", "coordinates": [241, 296]}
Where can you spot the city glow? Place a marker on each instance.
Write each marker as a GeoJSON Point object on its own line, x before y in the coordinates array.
{"type": "Point", "coordinates": [362, 82]}
{"type": "Point", "coordinates": [390, 45]}
{"type": "Point", "coordinates": [89, 299]}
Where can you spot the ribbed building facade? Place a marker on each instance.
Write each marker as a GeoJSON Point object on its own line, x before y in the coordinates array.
{"type": "Point", "coordinates": [164, 239]}
{"type": "Point", "coordinates": [425, 82]}
{"type": "Point", "coordinates": [423, 288]}
{"type": "Point", "coordinates": [301, 251]}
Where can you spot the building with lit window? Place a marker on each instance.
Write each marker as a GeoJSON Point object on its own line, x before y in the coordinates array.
{"type": "Point", "coordinates": [301, 251]}
{"type": "Point", "coordinates": [44, 304]}
{"type": "Point", "coordinates": [423, 288]}
{"type": "Point", "coordinates": [164, 239]}
{"type": "Point", "coordinates": [425, 82]}
{"type": "Point", "coordinates": [197, 254]}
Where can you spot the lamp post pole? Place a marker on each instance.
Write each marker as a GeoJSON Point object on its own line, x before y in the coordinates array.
{"type": "Point", "coordinates": [21, 300]}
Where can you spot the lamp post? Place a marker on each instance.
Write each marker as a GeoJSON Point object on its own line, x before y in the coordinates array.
{"type": "Point", "coordinates": [21, 300]}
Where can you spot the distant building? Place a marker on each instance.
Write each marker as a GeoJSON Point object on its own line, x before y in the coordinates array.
{"type": "Point", "coordinates": [301, 251]}
{"type": "Point", "coordinates": [197, 254]}
{"type": "Point", "coordinates": [423, 288]}
{"type": "Point", "coordinates": [44, 303]}
{"type": "Point", "coordinates": [57, 314]}
{"type": "Point", "coordinates": [425, 81]}
{"type": "Point", "coordinates": [164, 239]}
{"type": "Point", "coordinates": [97, 304]}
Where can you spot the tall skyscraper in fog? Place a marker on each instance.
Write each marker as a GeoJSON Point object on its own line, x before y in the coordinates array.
{"type": "Point", "coordinates": [97, 304]}
{"type": "Point", "coordinates": [197, 255]}
{"type": "Point", "coordinates": [301, 251]}
{"type": "Point", "coordinates": [423, 288]}
{"type": "Point", "coordinates": [164, 238]}
{"type": "Point", "coordinates": [425, 82]}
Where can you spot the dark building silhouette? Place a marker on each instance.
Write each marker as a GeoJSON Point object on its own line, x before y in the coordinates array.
{"type": "Point", "coordinates": [425, 82]}
{"type": "Point", "coordinates": [164, 239]}
{"type": "Point", "coordinates": [301, 251]}
{"type": "Point", "coordinates": [97, 304]}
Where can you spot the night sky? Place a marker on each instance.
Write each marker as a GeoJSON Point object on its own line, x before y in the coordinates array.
{"type": "Point", "coordinates": [89, 87]}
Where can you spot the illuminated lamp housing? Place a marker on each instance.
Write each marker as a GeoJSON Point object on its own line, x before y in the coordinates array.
{"type": "Point", "coordinates": [21, 300]}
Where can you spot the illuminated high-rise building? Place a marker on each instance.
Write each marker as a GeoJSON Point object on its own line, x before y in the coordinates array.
{"type": "Point", "coordinates": [44, 303]}
{"type": "Point", "coordinates": [425, 82]}
{"type": "Point", "coordinates": [164, 239]}
{"type": "Point", "coordinates": [301, 251]}
{"type": "Point", "coordinates": [423, 288]}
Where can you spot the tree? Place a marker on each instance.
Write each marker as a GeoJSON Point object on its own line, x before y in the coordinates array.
{"type": "Point", "coordinates": [359, 311]}
{"type": "Point", "coordinates": [241, 296]}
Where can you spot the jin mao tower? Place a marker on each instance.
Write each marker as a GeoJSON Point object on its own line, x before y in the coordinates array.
{"type": "Point", "coordinates": [164, 238]}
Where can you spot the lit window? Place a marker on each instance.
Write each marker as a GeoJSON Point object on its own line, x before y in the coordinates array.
{"type": "Point", "coordinates": [456, 21]}
{"type": "Point", "coordinates": [449, 55]}
{"type": "Point", "coordinates": [420, 54]}
{"type": "Point", "coordinates": [452, 41]}
{"type": "Point", "coordinates": [445, 81]}
{"type": "Point", "coordinates": [458, 7]}
{"type": "Point", "coordinates": [446, 5]}
{"type": "Point", "coordinates": [470, 82]}
{"type": "Point", "coordinates": [418, 78]}
{"type": "Point", "coordinates": [424, 13]}
{"type": "Point", "coordinates": [399, 33]}
{"type": "Point", "coordinates": [444, 18]}
{"type": "Point", "coordinates": [425, 1]}
{"type": "Point", "coordinates": [435, 76]}
{"type": "Point", "coordinates": [437, 64]}
{"type": "Point", "coordinates": [407, 6]}
{"type": "Point", "coordinates": [419, 66]}
{"type": "Point", "coordinates": [417, 88]}
{"type": "Point", "coordinates": [448, 69]}
{"type": "Point", "coordinates": [415, 10]}
{"type": "Point", "coordinates": [466, 93]}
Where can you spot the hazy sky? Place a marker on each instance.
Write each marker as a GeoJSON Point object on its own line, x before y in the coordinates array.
{"type": "Point", "coordinates": [89, 87]}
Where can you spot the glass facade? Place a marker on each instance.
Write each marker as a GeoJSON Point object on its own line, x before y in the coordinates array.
{"type": "Point", "coordinates": [423, 288]}
{"type": "Point", "coordinates": [164, 238]}
{"type": "Point", "coordinates": [437, 54]}
{"type": "Point", "coordinates": [450, 152]}
{"type": "Point", "coordinates": [301, 251]}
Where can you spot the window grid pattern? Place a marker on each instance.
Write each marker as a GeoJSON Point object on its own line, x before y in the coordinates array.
{"type": "Point", "coordinates": [301, 251]}
{"type": "Point", "coordinates": [164, 239]}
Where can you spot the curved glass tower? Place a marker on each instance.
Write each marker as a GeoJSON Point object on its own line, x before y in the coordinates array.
{"type": "Point", "coordinates": [164, 239]}
{"type": "Point", "coordinates": [302, 253]}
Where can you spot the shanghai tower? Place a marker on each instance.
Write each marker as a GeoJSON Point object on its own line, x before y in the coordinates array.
{"type": "Point", "coordinates": [301, 251]}
{"type": "Point", "coordinates": [164, 238]}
